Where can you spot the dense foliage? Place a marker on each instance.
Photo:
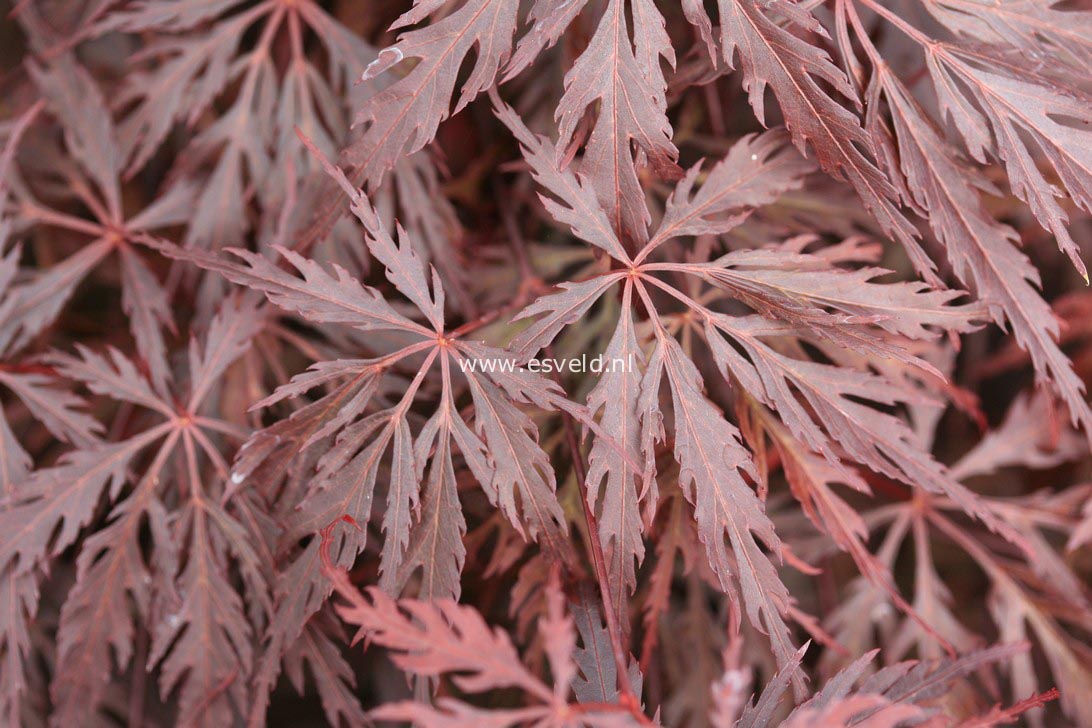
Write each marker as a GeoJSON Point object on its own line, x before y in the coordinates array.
{"type": "Point", "coordinates": [593, 362]}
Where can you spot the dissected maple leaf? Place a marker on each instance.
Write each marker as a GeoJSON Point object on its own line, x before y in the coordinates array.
{"type": "Point", "coordinates": [58, 501]}
{"type": "Point", "coordinates": [824, 304]}
{"type": "Point", "coordinates": [351, 464]}
{"type": "Point", "coordinates": [75, 98]}
{"type": "Point", "coordinates": [1018, 580]}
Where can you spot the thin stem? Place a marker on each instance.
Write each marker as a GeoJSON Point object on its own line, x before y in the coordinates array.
{"type": "Point", "coordinates": [680, 296]}
{"type": "Point", "coordinates": [45, 216]}
{"type": "Point", "coordinates": [193, 473]}
{"type": "Point", "coordinates": [407, 399]}
{"type": "Point", "coordinates": [214, 456]}
{"type": "Point", "coordinates": [899, 23]}
{"type": "Point", "coordinates": [224, 428]}
{"type": "Point", "coordinates": [599, 561]}
{"type": "Point", "coordinates": [848, 10]}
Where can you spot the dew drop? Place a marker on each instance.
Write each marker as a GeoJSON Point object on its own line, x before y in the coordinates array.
{"type": "Point", "coordinates": [387, 58]}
